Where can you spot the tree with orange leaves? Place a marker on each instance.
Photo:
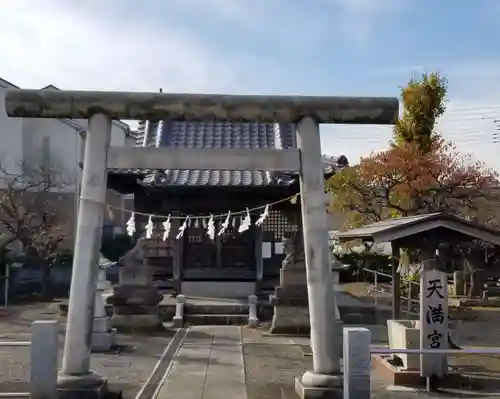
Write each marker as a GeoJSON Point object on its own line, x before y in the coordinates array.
{"type": "Point", "coordinates": [421, 172]}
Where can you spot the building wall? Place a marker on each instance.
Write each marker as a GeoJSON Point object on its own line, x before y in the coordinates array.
{"type": "Point", "coordinates": [11, 138]}
{"type": "Point", "coordinates": [28, 141]}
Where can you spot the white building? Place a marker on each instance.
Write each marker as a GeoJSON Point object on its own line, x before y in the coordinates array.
{"type": "Point", "coordinates": [27, 141]}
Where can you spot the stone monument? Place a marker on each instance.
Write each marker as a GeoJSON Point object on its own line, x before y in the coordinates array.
{"type": "Point", "coordinates": [135, 299]}
{"type": "Point", "coordinates": [433, 321]}
{"type": "Point", "coordinates": [291, 311]}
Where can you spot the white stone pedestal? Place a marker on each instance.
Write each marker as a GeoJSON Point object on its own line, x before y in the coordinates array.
{"type": "Point", "coordinates": [103, 336]}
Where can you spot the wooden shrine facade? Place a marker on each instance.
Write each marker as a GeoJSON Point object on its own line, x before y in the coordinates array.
{"type": "Point", "coordinates": [253, 256]}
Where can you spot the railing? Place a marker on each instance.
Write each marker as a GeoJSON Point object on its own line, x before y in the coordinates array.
{"type": "Point", "coordinates": [465, 351]}
{"type": "Point", "coordinates": [358, 350]}
{"type": "Point", "coordinates": [412, 304]}
{"type": "Point", "coordinates": [44, 360]}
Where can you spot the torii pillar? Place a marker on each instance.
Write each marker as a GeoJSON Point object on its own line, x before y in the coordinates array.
{"type": "Point", "coordinates": [325, 380]}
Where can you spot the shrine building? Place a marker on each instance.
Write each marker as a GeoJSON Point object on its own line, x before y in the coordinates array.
{"type": "Point", "coordinates": [233, 263]}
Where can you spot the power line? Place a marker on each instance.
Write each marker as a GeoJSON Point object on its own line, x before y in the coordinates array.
{"type": "Point", "coordinates": [465, 136]}
{"type": "Point", "coordinates": [486, 108]}
{"type": "Point", "coordinates": [483, 134]}
{"type": "Point", "coordinates": [484, 118]}
{"type": "Point", "coordinates": [470, 117]}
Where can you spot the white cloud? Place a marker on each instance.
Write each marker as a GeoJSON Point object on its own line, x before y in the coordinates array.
{"type": "Point", "coordinates": [300, 24]}
{"type": "Point", "coordinates": [48, 42]}
{"type": "Point", "coordinates": [360, 19]}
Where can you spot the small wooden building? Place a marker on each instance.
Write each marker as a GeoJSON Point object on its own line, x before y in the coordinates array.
{"type": "Point", "coordinates": [234, 264]}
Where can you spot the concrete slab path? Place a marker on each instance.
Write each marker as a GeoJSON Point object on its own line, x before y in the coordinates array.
{"type": "Point", "coordinates": [208, 365]}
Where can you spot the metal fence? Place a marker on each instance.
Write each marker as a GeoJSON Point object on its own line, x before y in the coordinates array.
{"type": "Point", "coordinates": [43, 360]}
{"type": "Point", "coordinates": [376, 290]}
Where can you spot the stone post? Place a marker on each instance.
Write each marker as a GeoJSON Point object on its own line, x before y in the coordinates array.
{"type": "Point", "coordinates": [337, 267]}
{"type": "Point", "coordinates": [103, 336]}
{"type": "Point", "coordinates": [325, 380]}
{"type": "Point", "coordinates": [357, 363]}
{"type": "Point", "coordinates": [135, 300]}
{"type": "Point", "coordinates": [44, 358]}
{"type": "Point", "coordinates": [253, 320]}
{"type": "Point", "coordinates": [478, 276]}
{"type": "Point", "coordinates": [179, 311]}
{"type": "Point", "coordinates": [75, 375]}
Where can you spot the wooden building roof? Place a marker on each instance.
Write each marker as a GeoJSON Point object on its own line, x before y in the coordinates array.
{"type": "Point", "coordinates": [399, 228]}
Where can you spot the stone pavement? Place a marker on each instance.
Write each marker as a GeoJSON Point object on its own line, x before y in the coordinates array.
{"type": "Point", "coordinates": [208, 365]}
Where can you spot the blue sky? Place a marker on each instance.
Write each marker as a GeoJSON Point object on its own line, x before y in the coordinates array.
{"type": "Point", "coordinates": [322, 47]}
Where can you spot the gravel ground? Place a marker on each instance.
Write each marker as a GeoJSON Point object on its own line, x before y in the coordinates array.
{"type": "Point", "coordinates": [126, 369]}
{"type": "Point", "coordinates": [272, 363]}
{"type": "Point", "coordinates": [271, 369]}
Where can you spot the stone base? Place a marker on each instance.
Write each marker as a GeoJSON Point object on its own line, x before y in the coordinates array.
{"type": "Point", "coordinates": [253, 322]}
{"type": "Point", "coordinates": [290, 320]}
{"type": "Point", "coordinates": [126, 295]}
{"type": "Point", "coordinates": [103, 341]}
{"type": "Point", "coordinates": [101, 324]}
{"type": "Point", "coordinates": [314, 386]}
{"type": "Point", "coordinates": [393, 375]}
{"type": "Point", "coordinates": [136, 322]}
{"type": "Point", "coordinates": [88, 386]}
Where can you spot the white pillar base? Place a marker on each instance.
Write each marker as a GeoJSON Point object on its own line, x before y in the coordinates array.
{"type": "Point", "coordinates": [103, 336]}
{"type": "Point", "coordinates": [319, 386]}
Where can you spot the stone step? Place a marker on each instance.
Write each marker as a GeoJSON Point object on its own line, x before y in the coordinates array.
{"type": "Point", "coordinates": [216, 309]}
{"type": "Point", "coordinates": [215, 319]}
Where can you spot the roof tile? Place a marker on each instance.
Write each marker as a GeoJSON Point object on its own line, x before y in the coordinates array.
{"type": "Point", "coordinates": [216, 134]}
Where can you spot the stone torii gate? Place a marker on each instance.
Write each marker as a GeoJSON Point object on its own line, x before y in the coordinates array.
{"type": "Point", "coordinates": [307, 113]}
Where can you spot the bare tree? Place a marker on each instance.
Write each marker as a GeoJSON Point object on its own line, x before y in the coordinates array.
{"type": "Point", "coordinates": [32, 212]}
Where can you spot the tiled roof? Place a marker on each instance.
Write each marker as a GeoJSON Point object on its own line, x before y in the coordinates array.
{"type": "Point", "coordinates": [216, 134]}
{"type": "Point", "coordinates": [401, 227]}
